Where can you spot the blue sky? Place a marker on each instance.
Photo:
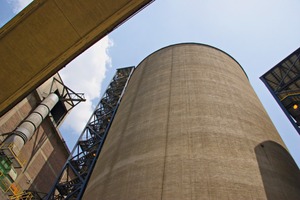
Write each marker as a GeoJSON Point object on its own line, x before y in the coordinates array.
{"type": "Point", "coordinates": [257, 33]}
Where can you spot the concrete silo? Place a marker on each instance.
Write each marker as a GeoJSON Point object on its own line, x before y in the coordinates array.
{"type": "Point", "coordinates": [190, 126]}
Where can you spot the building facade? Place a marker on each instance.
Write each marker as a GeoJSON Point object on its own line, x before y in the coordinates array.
{"type": "Point", "coordinates": [41, 158]}
{"type": "Point", "coordinates": [190, 126]}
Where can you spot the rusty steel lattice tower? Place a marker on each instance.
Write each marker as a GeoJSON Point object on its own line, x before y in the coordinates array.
{"type": "Point", "coordinates": [190, 126]}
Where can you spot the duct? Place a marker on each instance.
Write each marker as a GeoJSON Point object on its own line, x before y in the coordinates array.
{"type": "Point", "coordinates": [25, 131]}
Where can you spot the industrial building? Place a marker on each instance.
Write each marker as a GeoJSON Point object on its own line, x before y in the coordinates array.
{"type": "Point", "coordinates": [283, 83]}
{"type": "Point", "coordinates": [184, 124]}
{"type": "Point", "coordinates": [190, 126]}
{"type": "Point", "coordinates": [56, 32]}
{"type": "Point", "coordinates": [32, 150]}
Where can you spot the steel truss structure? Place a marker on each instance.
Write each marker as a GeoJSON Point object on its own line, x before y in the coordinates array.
{"type": "Point", "coordinates": [74, 177]}
{"type": "Point", "coordinates": [66, 96]}
{"type": "Point", "coordinates": [283, 81]}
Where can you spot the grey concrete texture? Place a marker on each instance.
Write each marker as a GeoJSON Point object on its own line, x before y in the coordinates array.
{"type": "Point", "coordinates": [190, 126]}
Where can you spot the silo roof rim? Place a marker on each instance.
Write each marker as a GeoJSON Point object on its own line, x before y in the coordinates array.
{"type": "Point", "coordinates": [195, 43]}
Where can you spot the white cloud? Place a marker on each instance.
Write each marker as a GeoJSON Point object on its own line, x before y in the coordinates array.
{"type": "Point", "coordinates": [19, 5]}
{"type": "Point", "coordinates": [85, 75]}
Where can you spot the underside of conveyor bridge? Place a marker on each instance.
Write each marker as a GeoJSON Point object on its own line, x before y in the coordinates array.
{"type": "Point", "coordinates": [47, 35]}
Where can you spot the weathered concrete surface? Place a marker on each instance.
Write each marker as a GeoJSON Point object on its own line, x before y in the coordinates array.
{"type": "Point", "coordinates": [191, 127]}
{"type": "Point", "coordinates": [47, 35]}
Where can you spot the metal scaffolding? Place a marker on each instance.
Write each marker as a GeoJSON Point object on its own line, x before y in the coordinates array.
{"type": "Point", "coordinates": [75, 175]}
{"type": "Point", "coordinates": [283, 81]}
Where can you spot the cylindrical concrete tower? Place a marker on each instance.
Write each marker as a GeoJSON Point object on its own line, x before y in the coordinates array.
{"type": "Point", "coordinates": [190, 126]}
